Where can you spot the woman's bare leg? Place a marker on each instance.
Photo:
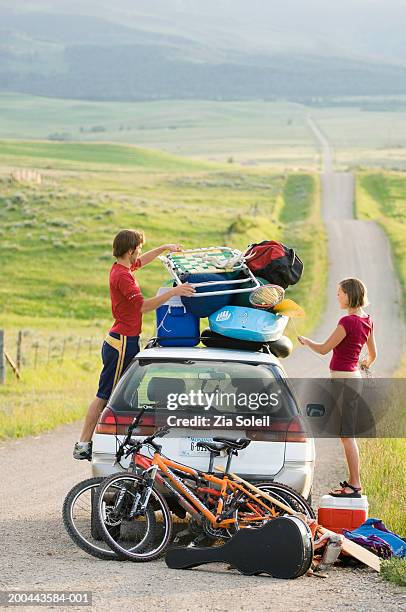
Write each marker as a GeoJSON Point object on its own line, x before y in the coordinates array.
{"type": "Point", "coordinates": [352, 455]}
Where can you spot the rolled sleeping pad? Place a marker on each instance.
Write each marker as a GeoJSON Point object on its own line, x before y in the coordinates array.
{"type": "Point", "coordinates": [204, 306]}
{"type": "Point", "coordinates": [243, 299]}
{"type": "Point", "coordinates": [281, 348]}
{"type": "Point", "coordinates": [212, 339]}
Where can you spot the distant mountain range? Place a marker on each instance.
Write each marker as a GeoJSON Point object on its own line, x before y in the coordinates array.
{"type": "Point", "coordinates": [154, 49]}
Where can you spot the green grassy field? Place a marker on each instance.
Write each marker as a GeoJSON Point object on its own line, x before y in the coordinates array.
{"type": "Point", "coordinates": [258, 132]}
{"type": "Point", "coordinates": [59, 234]}
{"type": "Point", "coordinates": [364, 131]}
{"type": "Point", "coordinates": [371, 134]}
{"type": "Point", "coordinates": [304, 231]}
{"type": "Point", "coordinates": [381, 196]}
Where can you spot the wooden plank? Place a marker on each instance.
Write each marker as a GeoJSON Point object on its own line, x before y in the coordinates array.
{"type": "Point", "coordinates": [357, 551]}
{"type": "Point", "coordinates": [12, 365]}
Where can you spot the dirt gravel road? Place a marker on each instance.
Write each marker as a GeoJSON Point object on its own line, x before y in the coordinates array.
{"type": "Point", "coordinates": [355, 248]}
{"type": "Point", "coordinates": [37, 554]}
{"type": "Point", "coordinates": [38, 472]}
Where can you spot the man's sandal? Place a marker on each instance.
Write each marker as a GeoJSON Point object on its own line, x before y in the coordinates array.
{"type": "Point", "coordinates": [341, 492]}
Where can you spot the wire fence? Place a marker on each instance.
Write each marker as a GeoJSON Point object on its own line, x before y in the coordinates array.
{"type": "Point", "coordinates": [33, 349]}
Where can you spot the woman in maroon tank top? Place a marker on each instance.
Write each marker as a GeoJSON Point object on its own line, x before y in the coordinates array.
{"type": "Point", "coordinates": [353, 331]}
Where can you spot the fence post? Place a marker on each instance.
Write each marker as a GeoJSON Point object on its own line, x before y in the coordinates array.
{"type": "Point", "coordinates": [2, 359]}
{"type": "Point", "coordinates": [36, 346]}
{"type": "Point", "coordinates": [63, 350]}
{"type": "Point", "coordinates": [18, 355]}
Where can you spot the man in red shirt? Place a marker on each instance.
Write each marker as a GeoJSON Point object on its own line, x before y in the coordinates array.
{"type": "Point", "coordinates": [127, 304]}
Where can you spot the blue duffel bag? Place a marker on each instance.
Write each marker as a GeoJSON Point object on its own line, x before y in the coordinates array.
{"type": "Point", "coordinates": [248, 323]}
{"type": "Point", "coordinates": [204, 306]}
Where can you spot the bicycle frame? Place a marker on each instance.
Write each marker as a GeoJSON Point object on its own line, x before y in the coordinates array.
{"type": "Point", "coordinates": [194, 505]}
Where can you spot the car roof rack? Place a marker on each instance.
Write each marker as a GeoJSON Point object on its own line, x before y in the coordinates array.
{"type": "Point", "coordinates": [153, 342]}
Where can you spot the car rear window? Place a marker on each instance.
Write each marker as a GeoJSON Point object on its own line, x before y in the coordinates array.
{"type": "Point", "coordinates": [227, 386]}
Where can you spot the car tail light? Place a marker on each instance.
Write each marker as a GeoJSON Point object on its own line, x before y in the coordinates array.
{"type": "Point", "coordinates": [107, 422]}
{"type": "Point", "coordinates": [295, 431]}
{"type": "Point", "coordinates": [111, 422]}
{"type": "Point", "coordinates": [279, 431]}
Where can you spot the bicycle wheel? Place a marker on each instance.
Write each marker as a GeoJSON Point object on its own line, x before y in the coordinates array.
{"type": "Point", "coordinates": [79, 519]}
{"type": "Point", "coordinates": [141, 538]}
{"type": "Point", "coordinates": [289, 496]}
{"type": "Point", "coordinates": [249, 510]}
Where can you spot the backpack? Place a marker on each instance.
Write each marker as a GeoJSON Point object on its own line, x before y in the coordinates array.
{"type": "Point", "coordinates": [275, 262]}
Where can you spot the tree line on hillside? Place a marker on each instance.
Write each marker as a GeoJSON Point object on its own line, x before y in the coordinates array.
{"type": "Point", "coordinates": [143, 72]}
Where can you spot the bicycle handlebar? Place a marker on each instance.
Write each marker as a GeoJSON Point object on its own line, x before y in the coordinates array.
{"type": "Point", "coordinates": [136, 420]}
{"type": "Point", "coordinates": [160, 433]}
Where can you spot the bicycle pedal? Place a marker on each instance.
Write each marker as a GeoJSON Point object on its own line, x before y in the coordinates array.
{"type": "Point", "coordinates": [181, 535]}
{"type": "Point", "coordinates": [202, 540]}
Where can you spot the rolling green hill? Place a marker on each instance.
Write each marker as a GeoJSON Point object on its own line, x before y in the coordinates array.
{"type": "Point", "coordinates": [62, 229]}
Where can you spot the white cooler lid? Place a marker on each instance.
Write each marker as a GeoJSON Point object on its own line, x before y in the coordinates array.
{"type": "Point", "coordinates": [346, 503]}
{"type": "Point", "coordinates": [175, 300]}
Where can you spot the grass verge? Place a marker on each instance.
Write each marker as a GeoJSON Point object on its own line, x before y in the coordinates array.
{"type": "Point", "coordinates": [394, 570]}
{"type": "Point", "coordinates": [304, 231]}
{"type": "Point", "coordinates": [383, 462]}
{"type": "Point", "coordinates": [381, 197]}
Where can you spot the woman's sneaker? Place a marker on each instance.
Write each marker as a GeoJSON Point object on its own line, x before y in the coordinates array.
{"type": "Point", "coordinates": [83, 450]}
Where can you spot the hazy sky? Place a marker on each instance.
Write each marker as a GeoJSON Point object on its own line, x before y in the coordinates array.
{"type": "Point", "coordinates": [370, 28]}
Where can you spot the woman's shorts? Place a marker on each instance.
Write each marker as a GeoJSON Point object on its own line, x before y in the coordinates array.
{"type": "Point", "coordinates": [117, 353]}
{"type": "Point", "coordinates": [347, 394]}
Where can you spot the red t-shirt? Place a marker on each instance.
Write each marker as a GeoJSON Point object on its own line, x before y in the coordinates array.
{"type": "Point", "coordinates": [346, 354]}
{"type": "Point", "coordinates": [126, 300]}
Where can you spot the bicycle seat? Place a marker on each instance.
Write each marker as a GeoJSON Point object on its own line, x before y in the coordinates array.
{"type": "Point", "coordinates": [238, 444]}
{"type": "Point", "coordinates": [213, 448]}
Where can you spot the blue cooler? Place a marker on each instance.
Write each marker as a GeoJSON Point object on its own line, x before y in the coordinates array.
{"type": "Point", "coordinates": [248, 324]}
{"type": "Point", "coordinates": [175, 326]}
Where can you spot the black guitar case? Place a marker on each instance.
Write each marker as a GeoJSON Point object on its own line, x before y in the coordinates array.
{"type": "Point", "coordinates": [283, 548]}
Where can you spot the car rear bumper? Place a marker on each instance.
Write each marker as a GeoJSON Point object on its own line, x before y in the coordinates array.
{"type": "Point", "coordinates": [298, 475]}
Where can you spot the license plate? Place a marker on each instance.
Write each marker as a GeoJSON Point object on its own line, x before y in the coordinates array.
{"type": "Point", "coordinates": [190, 447]}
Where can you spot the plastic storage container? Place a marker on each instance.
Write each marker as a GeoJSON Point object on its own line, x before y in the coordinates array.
{"type": "Point", "coordinates": [338, 513]}
{"type": "Point", "coordinates": [175, 326]}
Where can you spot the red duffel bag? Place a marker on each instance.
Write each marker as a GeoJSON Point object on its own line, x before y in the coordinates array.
{"type": "Point", "coordinates": [275, 262]}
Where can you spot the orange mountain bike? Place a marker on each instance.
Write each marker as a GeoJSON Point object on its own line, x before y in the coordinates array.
{"type": "Point", "coordinates": [217, 503]}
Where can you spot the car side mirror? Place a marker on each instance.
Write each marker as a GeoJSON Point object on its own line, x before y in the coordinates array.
{"type": "Point", "coordinates": [315, 410]}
